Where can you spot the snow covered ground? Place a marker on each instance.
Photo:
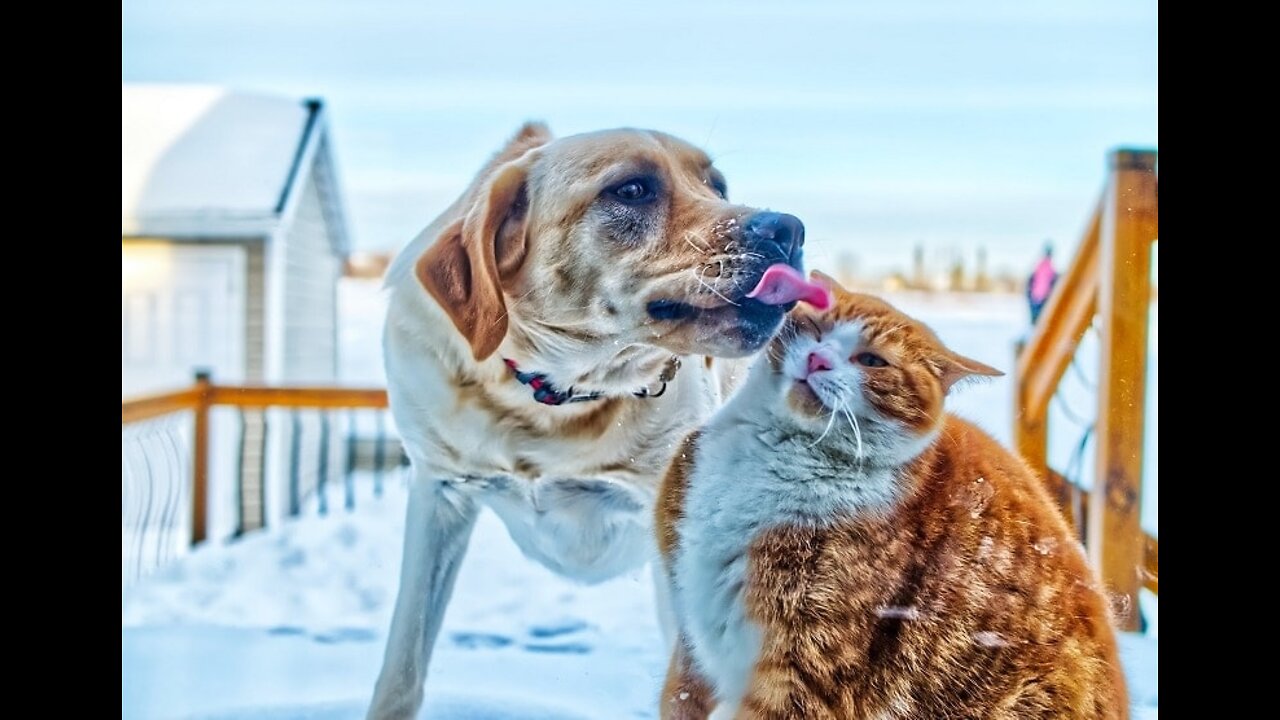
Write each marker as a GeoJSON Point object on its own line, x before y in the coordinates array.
{"type": "Point", "coordinates": [294, 619]}
{"type": "Point", "coordinates": [290, 622]}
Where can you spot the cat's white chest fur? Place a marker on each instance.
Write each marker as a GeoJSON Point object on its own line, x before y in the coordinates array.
{"type": "Point", "coordinates": [749, 476]}
{"type": "Point", "coordinates": [710, 570]}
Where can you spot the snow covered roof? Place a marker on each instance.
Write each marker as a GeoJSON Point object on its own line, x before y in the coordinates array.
{"type": "Point", "coordinates": [204, 162]}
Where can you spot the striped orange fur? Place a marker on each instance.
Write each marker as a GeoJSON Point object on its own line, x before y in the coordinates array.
{"type": "Point", "coordinates": [964, 595]}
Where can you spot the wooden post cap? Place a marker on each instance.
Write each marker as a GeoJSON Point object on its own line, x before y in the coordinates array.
{"type": "Point", "coordinates": [1134, 159]}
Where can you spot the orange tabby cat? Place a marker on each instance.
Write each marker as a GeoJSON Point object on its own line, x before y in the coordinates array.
{"type": "Point", "coordinates": [840, 547]}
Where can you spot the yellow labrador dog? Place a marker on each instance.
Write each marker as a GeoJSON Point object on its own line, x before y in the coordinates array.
{"type": "Point", "coordinates": [550, 339]}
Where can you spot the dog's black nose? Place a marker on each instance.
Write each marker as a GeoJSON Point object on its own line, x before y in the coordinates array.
{"type": "Point", "coordinates": [774, 234]}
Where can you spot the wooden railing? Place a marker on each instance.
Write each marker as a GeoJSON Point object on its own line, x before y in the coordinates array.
{"type": "Point", "coordinates": [204, 395]}
{"type": "Point", "coordinates": [1110, 280]}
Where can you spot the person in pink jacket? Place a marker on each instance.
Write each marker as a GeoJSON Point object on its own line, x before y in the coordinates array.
{"type": "Point", "coordinates": [1040, 284]}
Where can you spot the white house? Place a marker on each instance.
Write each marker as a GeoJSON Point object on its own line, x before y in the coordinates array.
{"type": "Point", "coordinates": [233, 238]}
{"type": "Point", "coordinates": [232, 241]}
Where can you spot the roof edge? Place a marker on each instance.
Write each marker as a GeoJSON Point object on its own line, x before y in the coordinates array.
{"type": "Point", "coordinates": [315, 154]}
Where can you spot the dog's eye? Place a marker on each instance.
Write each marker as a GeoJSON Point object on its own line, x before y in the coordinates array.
{"type": "Point", "coordinates": [636, 191]}
{"type": "Point", "coordinates": [872, 360]}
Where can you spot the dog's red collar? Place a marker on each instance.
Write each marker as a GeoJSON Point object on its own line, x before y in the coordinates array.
{"type": "Point", "coordinates": [547, 394]}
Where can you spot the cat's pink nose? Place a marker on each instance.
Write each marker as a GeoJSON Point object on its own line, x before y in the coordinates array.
{"type": "Point", "coordinates": [818, 362]}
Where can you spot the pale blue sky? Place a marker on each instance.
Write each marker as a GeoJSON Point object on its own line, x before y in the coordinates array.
{"type": "Point", "coordinates": [880, 123]}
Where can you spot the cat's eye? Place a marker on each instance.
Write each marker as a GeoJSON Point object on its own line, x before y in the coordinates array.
{"type": "Point", "coordinates": [870, 359]}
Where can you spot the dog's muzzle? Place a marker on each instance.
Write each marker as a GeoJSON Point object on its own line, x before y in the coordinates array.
{"type": "Point", "coordinates": [775, 238]}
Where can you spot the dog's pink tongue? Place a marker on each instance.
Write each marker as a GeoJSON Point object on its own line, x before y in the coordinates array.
{"type": "Point", "coordinates": [782, 284]}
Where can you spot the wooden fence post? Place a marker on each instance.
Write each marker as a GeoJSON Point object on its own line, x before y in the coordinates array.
{"type": "Point", "coordinates": [1030, 427]}
{"type": "Point", "coordinates": [1130, 224]}
{"type": "Point", "coordinates": [200, 460]}
{"type": "Point", "coordinates": [1052, 342]}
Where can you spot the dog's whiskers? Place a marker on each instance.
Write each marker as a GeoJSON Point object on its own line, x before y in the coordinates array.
{"type": "Point", "coordinates": [561, 324]}
{"type": "Point", "coordinates": [711, 288]}
{"type": "Point", "coordinates": [688, 238]}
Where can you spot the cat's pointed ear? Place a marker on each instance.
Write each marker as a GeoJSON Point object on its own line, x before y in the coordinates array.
{"type": "Point", "coordinates": [956, 367]}
{"type": "Point", "coordinates": [824, 279]}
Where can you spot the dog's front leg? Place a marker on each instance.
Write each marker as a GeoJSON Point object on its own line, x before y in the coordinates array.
{"type": "Point", "coordinates": [437, 530]}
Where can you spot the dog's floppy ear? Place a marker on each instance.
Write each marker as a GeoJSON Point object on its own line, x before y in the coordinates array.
{"type": "Point", "coordinates": [530, 135]}
{"type": "Point", "coordinates": [464, 270]}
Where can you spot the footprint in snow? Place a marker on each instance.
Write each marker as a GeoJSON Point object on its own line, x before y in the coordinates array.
{"type": "Point", "coordinates": [344, 635]}
{"type": "Point", "coordinates": [480, 641]}
{"type": "Point", "coordinates": [543, 631]}
{"type": "Point", "coordinates": [570, 648]}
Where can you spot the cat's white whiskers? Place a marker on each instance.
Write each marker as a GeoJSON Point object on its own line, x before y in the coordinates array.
{"type": "Point", "coordinates": [857, 430]}
{"type": "Point", "coordinates": [830, 422]}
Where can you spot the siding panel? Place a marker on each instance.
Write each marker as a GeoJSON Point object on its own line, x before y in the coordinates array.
{"type": "Point", "coordinates": [310, 297]}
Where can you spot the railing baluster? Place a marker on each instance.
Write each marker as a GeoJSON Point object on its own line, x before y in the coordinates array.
{"type": "Point", "coordinates": [162, 487]}
{"type": "Point", "coordinates": [172, 495]}
{"type": "Point", "coordinates": [322, 471]}
{"type": "Point", "coordinates": [379, 455]}
{"type": "Point", "coordinates": [241, 446]}
{"type": "Point", "coordinates": [295, 450]}
{"type": "Point", "coordinates": [348, 479]}
{"type": "Point", "coordinates": [262, 468]}
{"type": "Point", "coordinates": [146, 509]}
{"type": "Point", "coordinates": [200, 457]}
{"type": "Point", "coordinates": [126, 498]}
{"type": "Point", "coordinates": [152, 514]}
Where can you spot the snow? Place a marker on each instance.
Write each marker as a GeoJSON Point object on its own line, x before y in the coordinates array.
{"type": "Point", "coordinates": [290, 622]}
{"type": "Point", "coordinates": [193, 152]}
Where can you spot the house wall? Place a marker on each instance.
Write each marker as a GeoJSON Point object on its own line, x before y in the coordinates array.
{"type": "Point", "coordinates": [182, 307]}
{"type": "Point", "coordinates": [255, 308]}
{"type": "Point", "coordinates": [247, 494]}
{"type": "Point", "coordinates": [310, 294]}
{"type": "Point", "coordinates": [300, 316]}
{"type": "Point", "coordinates": [274, 321]}
{"type": "Point", "coordinates": [186, 306]}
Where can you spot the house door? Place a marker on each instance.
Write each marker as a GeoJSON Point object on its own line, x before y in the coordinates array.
{"type": "Point", "coordinates": [182, 307]}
